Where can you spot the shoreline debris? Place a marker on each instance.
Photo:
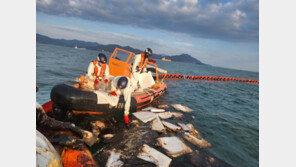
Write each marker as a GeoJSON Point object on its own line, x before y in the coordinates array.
{"type": "Point", "coordinates": [108, 136]}
{"type": "Point", "coordinates": [183, 126]}
{"type": "Point", "coordinates": [114, 159]}
{"type": "Point", "coordinates": [177, 114]}
{"type": "Point", "coordinates": [171, 126]}
{"type": "Point", "coordinates": [145, 116]}
{"type": "Point", "coordinates": [153, 109]}
{"type": "Point", "coordinates": [163, 106]}
{"type": "Point", "coordinates": [165, 115]}
{"type": "Point", "coordinates": [173, 146]}
{"type": "Point", "coordinates": [157, 125]}
{"type": "Point", "coordinates": [201, 143]}
{"type": "Point", "coordinates": [152, 155]}
{"type": "Point", "coordinates": [182, 108]}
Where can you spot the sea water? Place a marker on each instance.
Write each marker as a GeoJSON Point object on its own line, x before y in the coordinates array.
{"type": "Point", "coordinates": [226, 113]}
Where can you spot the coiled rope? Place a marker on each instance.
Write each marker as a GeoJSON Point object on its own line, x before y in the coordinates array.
{"type": "Point", "coordinates": [209, 78]}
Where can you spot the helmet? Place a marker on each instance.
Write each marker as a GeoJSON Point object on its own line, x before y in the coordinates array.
{"type": "Point", "coordinates": [148, 52]}
{"type": "Point", "coordinates": [122, 82]}
{"type": "Point", "coordinates": [102, 58]}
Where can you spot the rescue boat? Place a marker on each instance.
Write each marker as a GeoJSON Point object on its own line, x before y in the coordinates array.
{"type": "Point", "coordinates": [69, 97]}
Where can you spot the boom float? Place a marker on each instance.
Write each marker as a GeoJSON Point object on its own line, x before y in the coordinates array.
{"type": "Point", "coordinates": [209, 78]}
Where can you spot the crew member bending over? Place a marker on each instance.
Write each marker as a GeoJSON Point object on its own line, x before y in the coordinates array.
{"type": "Point", "coordinates": [98, 72]}
{"type": "Point", "coordinates": [121, 85]}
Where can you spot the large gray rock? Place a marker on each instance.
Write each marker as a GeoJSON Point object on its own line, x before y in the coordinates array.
{"type": "Point", "coordinates": [145, 116]}
{"type": "Point", "coordinates": [157, 125]}
{"type": "Point", "coordinates": [182, 108]}
{"type": "Point", "coordinates": [183, 126]}
{"type": "Point", "coordinates": [153, 109]}
{"type": "Point", "coordinates": [201, 143]}
{"type": "Point", "coordinates": [177, 114]}
{"type": "Point", "coordinates": [165, 115]}
{"type": "Point", "coordinates": [114, 159]}
{"type": "Point", "coordinates": [173, 146]}
{"type": "Point", "coordinates": [151, 155]}
{"type": "Point", "coordinates": [171, 126]}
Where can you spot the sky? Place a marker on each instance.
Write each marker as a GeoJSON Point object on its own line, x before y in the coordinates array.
{"type": "Point", "coordinates": [222, 33]}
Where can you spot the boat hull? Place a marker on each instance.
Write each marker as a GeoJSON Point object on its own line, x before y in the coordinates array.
{"type": "Point", "coordinates": [79, 101]}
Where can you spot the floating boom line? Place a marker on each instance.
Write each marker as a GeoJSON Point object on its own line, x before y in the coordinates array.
{"type": "Point", "coordinates": [209, 78]}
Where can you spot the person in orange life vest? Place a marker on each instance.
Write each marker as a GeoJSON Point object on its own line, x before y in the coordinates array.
{"type": "Point", "coordinates": [98, 71]}
{"type": "Point", "coordinates": [140, 62]}
{"type": "Point", "coordinates": [121, 85]}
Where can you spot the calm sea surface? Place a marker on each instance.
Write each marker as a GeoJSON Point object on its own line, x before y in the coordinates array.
{"type": "Point", "coordinates": [226, 113]}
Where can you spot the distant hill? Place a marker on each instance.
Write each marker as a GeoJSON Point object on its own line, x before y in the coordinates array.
{"type": "Point", "coordinates": [184, 58]}
{"type": "Point", "coordinates": [110, 47]}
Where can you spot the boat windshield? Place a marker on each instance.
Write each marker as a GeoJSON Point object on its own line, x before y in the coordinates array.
{"type": "Point", "coordinates": [123, 55]}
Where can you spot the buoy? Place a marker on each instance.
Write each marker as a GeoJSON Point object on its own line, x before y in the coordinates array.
{"type": "Point", "coordinates": [209, 78]}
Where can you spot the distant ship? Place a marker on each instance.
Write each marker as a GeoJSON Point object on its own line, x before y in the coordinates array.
{"type": "Point", "coordinates": [165, 59]}
{"type": "Point", "coordinates": [76, 47]}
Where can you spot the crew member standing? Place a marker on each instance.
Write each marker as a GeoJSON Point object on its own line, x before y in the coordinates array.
{"type": "Point", "coordinates": [98, 72]}
{"type": "Point", "coordinates": [140, 62]}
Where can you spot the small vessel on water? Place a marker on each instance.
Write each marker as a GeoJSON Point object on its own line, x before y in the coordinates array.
{"type": "Point", "coordinates": [69, 96]}
{"type": "Point", "coordinates": [76, 47]}
{"type": "Point", "coordinates": [164, 59]}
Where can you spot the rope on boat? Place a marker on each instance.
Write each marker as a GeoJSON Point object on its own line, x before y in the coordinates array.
{"type": "Point", "coordinates": [209, 78]}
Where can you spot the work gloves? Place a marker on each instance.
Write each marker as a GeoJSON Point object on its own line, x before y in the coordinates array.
{"type": "Point", "coordinates": [126, 120]}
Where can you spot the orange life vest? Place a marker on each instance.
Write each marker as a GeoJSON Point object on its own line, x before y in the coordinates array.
{"type": "Point", "coordinates": [143, 61]}
{"type": "Point", "coordinates": [103, 69]}
{"type": "Point", "coordinates": [96, 69]}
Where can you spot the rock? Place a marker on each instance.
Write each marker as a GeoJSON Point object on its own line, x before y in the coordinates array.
{"type": "Point", "coordinates": [46, 155]}
{"type": "Point", "coordinates": [202, 158]}
{"type": "Point", "coordinates": [173, 146]}
{"type": "Point", "coordinates": [201, 143]}
{"type": "Point", "coordinates": [135, 122]}
{"type": "Point", "coordinates": [183, 126]}
{"type": "Point", "coordinates": [145, 116]}
{"type": "Point", "coordinates": [157, 125]}
{"type": "Point", "coordinates": [113, 160]}
{"type": "Point", "coordinates": [182, 108]}
{"type": "Point", "coordinates": [193, 130]}
{"type": "Point", "coordinates": [177, 114]}
{"type": "Point", "coordinates": [89, 138]}
{"type": "Point", "coordinates": [98, 125]}
{"type": "Point", "coordinates": [163, 106]}
{"type": "Point", "coordinates": [171, 126]}
{"type": "Point", "coordinates": [151, 155]}
{"type": "Point", "coordinates": [153, 109]}
{"type": "Point", "coordinates": [108, 136]}
{"type": "Point", "coordinates": [165, 115]}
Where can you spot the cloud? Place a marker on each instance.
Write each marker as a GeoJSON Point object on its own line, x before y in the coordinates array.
{"type": "Point", "coordinates": [231, 21]}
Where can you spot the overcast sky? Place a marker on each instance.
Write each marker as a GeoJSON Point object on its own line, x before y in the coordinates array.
{"type": "Point", "coordinates": [222, 33]}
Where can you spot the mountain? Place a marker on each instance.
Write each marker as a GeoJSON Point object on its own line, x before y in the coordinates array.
{"type": "Point", "coordinates": [63, 42]}
{"type": "Point", "coordinates": [110, 47]}
{"type": "Point", "coordinates": [184, 58]}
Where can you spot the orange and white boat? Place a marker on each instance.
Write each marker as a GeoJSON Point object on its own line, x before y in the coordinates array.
{"type": "Point", "coordinates": [164, 59]}
{"type": "Point", "coordinates": [69, 97]}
